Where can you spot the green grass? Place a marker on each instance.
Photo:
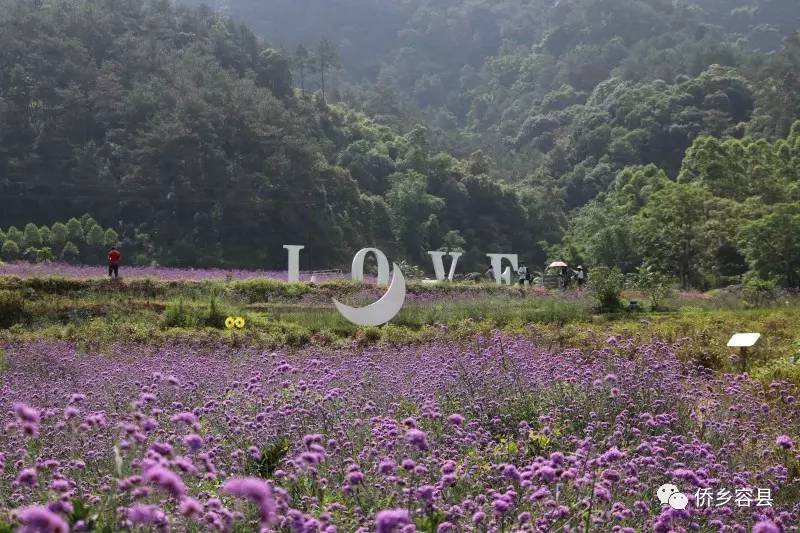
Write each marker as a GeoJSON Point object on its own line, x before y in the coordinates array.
{"type": "Point", "coordinates": [96, 313]}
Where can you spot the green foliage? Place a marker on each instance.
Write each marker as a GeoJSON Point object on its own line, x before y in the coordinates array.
{"type": "Point", "coordinates": [215, 315]}
{"type": "Point", "coordinates": [271, 456]}
{"type": "Point", "coordinates": [10, 250]}
{"type": "Point", "coordinates": [46, 235]}
{"type": "Point", "coordinates": [655, 285]}
{"type": "Point", "coordinates": [182, 315]}
{"type": "Point", "coordinates": [38, 244]}
{"type": "Point", "coordinates": [592, 104]}
{"type": "Point", "coordinates": [759, 292]}
{"type": "Point", "coordinates": [178, 315]}
{"type": "Point", "coordinates": [59, 235]}
{"type": "Point", "coordinates": [12, 308]}
{"type": "Point", "coordinates": [31, 238]}
{"type": "Point", "coordinates": [75, 231]}
{"type": "Point", "coordinates": [607, 285]}
{"type": "Point", "coordinates": [95, 236]}
{"type": "Point", "coordinates": [772, 244]}
{"type": "Point", "coordinates": [110, 237]}
{"type": "Point", "coordinates": [15, 235]}
{"type": "Point", "coordinates": [70, 252]}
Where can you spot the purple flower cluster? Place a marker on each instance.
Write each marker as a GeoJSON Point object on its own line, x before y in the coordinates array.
{"type": "Point", "coordinates": [484, 434]}
{"type": "Point", "coordinates": [22, 269]}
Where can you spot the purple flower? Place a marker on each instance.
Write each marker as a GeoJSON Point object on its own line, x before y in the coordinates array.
{"type": "Point", "coordinates": [38, 519]}
{"type": "Point", "coordinates": [162, 448]}
{"type": "Point", "coordinates": [26, 413]}
{"type": "Point", "coordinates": [256, 490]}
{"type": "Point", "coordinates": [784, 442]}
{"type": "Point", "coordinates": [190, 507]}
{"type": "Point", "coordinates": [390, 520]}
{"type": "Point", "coordinates": [27, 476]}
{"type": "Point", "coordinates": [547, 473]}
{"type": "Point", "coordinates": [167, 480]}
{"type": "Point", "coordinates": [426, 493]}
{"type": "Point", "coordinates": [417, 439]}
{"type": "Point", "coordinates": [766, 526]}
{"type": "Point", "coordinates": [455, 419]}
{"type": "Point", "coordinates": [387, 467]}
{"type": "Point", "coordinates": [193, 441]}
{"type": "Point", "coordinates": [500, 506]}
{"type": "Point", "coordinates": [146, 514]}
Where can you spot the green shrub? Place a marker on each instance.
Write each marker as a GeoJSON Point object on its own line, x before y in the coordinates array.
{"type": "Point", "coordinates": [372, 335]}
{"type": "Point", "coordinates": [607, 285]}
{"type": "Point", "coordinates": [215, 316]}
{"type": "Point", "coordinates": [655, 285]}
{"type": "Point", "coordinates": [265, 290]}
{"type": "Point", "coordinates": [178, 315]}
{"type": "Point", "coordinates": [12, 308]}
{"type": "Point", "coordinates": [759, 292]}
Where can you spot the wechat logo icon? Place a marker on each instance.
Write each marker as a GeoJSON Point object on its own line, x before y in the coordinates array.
{"type": "Point", "coordinates": [669, 494]}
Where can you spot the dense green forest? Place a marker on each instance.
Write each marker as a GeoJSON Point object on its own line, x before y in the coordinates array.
{"type": "Point", "coordinates": [607, 132]}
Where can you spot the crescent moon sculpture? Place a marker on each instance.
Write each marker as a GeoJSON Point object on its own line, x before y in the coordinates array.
{"type": "Point", "coordinates": [383, 310]}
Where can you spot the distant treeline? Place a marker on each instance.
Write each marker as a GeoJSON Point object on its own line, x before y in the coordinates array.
{"type": "Point", "coordinates": [74, 241]}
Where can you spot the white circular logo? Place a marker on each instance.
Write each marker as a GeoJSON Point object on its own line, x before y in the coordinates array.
{"type": "Point", "coordinates": [669, 494]}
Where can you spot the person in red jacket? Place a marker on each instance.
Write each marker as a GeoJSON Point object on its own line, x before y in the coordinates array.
{"type": "Point", "coordinates": [113, 262]}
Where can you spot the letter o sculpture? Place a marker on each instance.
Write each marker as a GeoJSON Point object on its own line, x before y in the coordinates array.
{"type": "Point", "coordinates": [383, 266]}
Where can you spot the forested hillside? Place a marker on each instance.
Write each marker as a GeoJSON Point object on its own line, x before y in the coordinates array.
{"type": "Point", "coordinates": [522, 125]}
{"type": "Point", "coordinates": [180, 129]}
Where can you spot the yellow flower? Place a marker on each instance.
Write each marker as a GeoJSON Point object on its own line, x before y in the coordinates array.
{"type": "Point", "coordinates": [230, 322]}
{"type": "Point", "coordinates": [239, 322]}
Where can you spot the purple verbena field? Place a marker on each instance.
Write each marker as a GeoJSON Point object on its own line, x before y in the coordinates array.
{"type": "Point", "coordinates": [489, 434]}
{"type": "Point", "coordinates": [24, 269]}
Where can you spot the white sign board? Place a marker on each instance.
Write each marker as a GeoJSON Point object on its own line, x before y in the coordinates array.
{"type": "Point", "coordinates": [743, 340]}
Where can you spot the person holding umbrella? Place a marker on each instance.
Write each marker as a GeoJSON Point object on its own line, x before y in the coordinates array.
{"type": "Point", "coordinates": [564, 272]}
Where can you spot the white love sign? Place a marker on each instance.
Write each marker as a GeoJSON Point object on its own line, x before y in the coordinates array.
{"type": "Point", "coordinates": [387, 307]}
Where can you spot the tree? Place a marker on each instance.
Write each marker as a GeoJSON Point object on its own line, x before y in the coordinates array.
{"type": "Point", "coordinates": [772, 244]}
{"type": "Point", "coordinates": [75, 232]}
{"type": "Point", "coordinates": [46, 235]}
{"type": "Point", "coordinates": [9, 251]}
{"type": "Point", "coordinates": [70, 253]}
{"type": "Point", "coordinates": [59, 235]}
{"type": "Point", "coordinates": [110, 237]}
{"type": "Point", "coordinates": [328, 58]}
{"type": "Point", "coordinates": [673, 231]}
{"type": "Point", "coordinates": [413, 212]}
{"type": "Point", "coordinates": [95, 236]}
{"type": "Point", "coordinates": [654, 284]}
{"type": "Point", "coordinates": [302, 62]}
{"type": "Point", "coordinates": [31, 238]}
{"type": "Point", "coordinates": [453, 242]}
{"type": "Point", "coordinates": [14, 234]}
{"type": "Point", "coordinates": [606, 285]}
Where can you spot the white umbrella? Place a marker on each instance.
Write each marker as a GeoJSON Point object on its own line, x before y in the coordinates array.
{"type": "Point", "coordinates": [557, 264]}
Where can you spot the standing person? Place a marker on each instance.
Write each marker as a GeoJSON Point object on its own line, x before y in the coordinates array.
{"type": "Point", "coordinates": [113, 262]}
{"type": "Point", "coordinates": [524, 274]}
{"type": "Point", "coordinates": [580, 275]}
{"type": "Point", "coordinates": [566, 273]}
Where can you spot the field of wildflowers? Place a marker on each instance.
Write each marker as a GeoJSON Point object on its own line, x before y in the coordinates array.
{"type": "Point", "coordinates": [24, 269]}
{"type": "Point", "coordinates": [484, 434]}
